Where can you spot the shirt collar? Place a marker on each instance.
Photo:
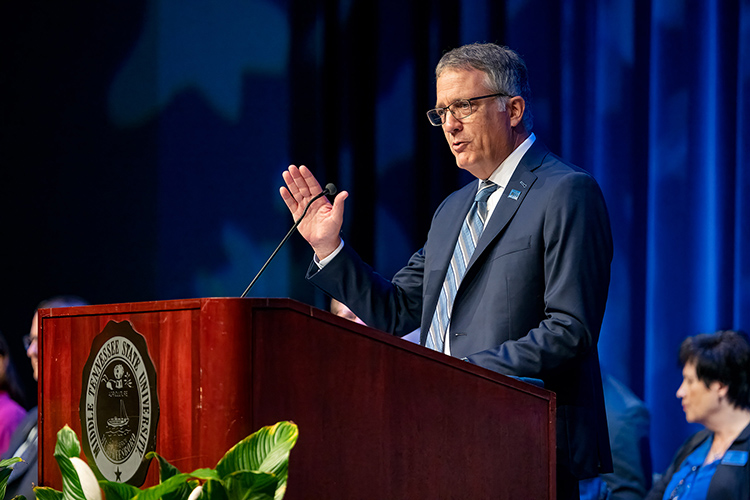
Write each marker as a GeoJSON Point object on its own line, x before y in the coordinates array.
{"type": "Point", "coordinates": [502, 174]}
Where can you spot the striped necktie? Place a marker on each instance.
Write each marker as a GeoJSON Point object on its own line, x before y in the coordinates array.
{"type": "Point", "coordinates": [471, 230]}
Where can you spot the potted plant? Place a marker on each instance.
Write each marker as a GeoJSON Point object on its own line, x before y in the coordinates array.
{"type": "Point", "coordinates": [253, 469]}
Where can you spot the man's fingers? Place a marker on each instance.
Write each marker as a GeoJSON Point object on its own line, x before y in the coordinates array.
{"type": "Point", "coordinates": [301, 187]}
{"type": "Point", "coordinates": [309, 184]}
{"type": "Point", "coordinates": [289, 200]}
{"type": "Point", "coordinates": [292, 178]}
{"type": "Point", "coordinates": [338, 203]}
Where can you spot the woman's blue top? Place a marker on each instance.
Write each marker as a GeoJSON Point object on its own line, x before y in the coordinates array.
{"type": "Point", "coordinates": [692, 479]}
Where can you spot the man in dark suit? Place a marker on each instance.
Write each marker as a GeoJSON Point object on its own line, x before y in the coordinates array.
{"type": "Point", "coordinates": [521, 292]}
{"type": "Point", "coordinates": [24, 442]}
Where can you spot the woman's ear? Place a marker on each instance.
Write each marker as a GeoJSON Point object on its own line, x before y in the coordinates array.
{"type": "Point", "coordinates": [721, 389]}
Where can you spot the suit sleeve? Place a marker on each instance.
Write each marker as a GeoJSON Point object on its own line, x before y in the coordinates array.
{"type": "Point", "coordinates": [393, 306]}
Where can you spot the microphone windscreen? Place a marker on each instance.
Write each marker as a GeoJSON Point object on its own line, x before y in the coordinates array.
{"type": "Point", "coordinates": [331, 188]}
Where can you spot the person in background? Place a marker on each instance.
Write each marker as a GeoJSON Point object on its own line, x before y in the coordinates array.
{"type": "Point", "coordinates": [715, 392]}
{"type": "Point", "coordinates": [628, 420]}
{"type": "Point", "coordinates": [342, 311]}
{"type": "Point", "coordinates": [11, 397]}
{"type": "Point", "coordinates": [23, 443]}
{"type": "Point", "coordinates": [515, 271]}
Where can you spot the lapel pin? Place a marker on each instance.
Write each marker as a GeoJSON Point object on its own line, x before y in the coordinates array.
{"type": "Point", "coordinates": [514, 194]}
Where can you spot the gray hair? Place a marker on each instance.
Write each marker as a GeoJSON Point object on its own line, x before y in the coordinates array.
{"type": "Point", "coordinates": [62, 301]}
{"type": "Point", "coordinates": [504, 69]}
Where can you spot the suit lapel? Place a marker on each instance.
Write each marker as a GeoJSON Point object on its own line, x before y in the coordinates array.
{"type": "Point", "coordinates": [513, 195]}
{"type": "Point", "coordinates": [510, 200]}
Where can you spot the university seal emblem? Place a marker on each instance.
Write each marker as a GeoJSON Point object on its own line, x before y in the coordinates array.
{"type": "Point", "coordinates": [119, 408]}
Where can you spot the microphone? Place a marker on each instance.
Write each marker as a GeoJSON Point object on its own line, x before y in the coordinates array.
{"type": "Point", "coordinates": [330, 190]}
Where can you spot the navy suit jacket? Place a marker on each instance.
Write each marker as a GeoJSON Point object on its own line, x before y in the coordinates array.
{"type": "Point", "coordinates": [531, 302]}
{"type": "Point", "coordinates": [24, 476]}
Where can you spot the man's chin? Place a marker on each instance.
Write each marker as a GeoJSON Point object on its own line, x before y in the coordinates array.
{"type": "Point", "coordinates": [462, 161]}
{"type": "Point", "coordinates": [473, 169]}
{"type": "Point", "coordinates": [464, 165]}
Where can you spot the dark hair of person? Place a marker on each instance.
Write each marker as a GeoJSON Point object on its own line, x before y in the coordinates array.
{"type": "Point", "coordinates": [723, 357]}
{"type": "Point", "coordinates": [9, 383]}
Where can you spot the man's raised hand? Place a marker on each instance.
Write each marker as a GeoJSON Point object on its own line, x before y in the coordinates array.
{"type": "Point", "coordinates": [322, 224]}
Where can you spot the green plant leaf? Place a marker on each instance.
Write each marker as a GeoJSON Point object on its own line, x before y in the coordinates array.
{"type": "Point", "coordinates": [167, 471]}
{"type": "Point", "coordinates": [5, 471]}
{"type": "Point", "coordinates": [10, 461]}
{"type": "Point", "coordinates": [158, 491]}
{"type": "Point", "coordinates": [254, 469]}
{"type": "Point", "coordinates": [205, 474]}
{"type": "Point", "coordinates": [68, 446]}
{"type": "Point", "coordinates": [250, 485]}
{"type": "Point", "coordinates": [118, 491]}
{"type": "Point", "coordinates": [67, 443]}
{"type": "Point", "coordinates": [266, 450]}
{"type": "Point", "coordinates": [213, 490]}
{"type": "Point", "coordinates": [71, 489]}
{"type": "Point", "coordinates": [45, 493]}
{"type": "Point", "coordinates": [4, 475]}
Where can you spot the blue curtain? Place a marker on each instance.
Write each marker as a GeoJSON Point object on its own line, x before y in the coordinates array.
{"type": "Point", "coordinates": [697, 226]}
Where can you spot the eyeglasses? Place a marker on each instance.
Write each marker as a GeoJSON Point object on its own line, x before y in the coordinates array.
{"type": "Point", "coordinates": [28, 340]}
{"type": "Point", "coordinates": [459, 109]}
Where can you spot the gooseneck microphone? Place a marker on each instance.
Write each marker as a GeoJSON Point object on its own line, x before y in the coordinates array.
{"type": "Point", "coordinates": [330, 190]}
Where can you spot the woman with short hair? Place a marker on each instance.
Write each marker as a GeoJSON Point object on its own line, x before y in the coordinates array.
{"type": "Point", "coordinates": [715, 392]}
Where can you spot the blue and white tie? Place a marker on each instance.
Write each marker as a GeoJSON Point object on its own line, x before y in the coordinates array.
{"type": "Point", "coordinates": [471, 230]}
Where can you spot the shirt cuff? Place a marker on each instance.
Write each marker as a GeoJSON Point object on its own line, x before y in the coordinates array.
{"type": "Point", "coordinates": [322, 263]}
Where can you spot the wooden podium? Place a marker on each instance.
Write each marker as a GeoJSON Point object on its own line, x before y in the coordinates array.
{"type": "Point", "coordinates": [378, 417]}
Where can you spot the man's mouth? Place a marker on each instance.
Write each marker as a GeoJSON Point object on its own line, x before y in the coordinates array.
{"type": "Point", "coordinates": [459, 146]}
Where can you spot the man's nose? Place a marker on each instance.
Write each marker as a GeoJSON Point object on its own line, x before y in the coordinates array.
{"type": "Point", "coordinates": [451, 122]}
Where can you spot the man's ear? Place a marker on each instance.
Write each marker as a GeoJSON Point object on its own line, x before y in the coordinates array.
{"type": "Point", "coordinates": [515, 107]}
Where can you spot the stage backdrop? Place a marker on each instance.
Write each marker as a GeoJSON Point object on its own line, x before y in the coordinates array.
{"type": "Point", "coordinates": [143, 143]}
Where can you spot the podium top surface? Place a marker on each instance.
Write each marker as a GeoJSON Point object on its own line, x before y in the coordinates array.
{"type": "Point", "coordinates": [209, 304]}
